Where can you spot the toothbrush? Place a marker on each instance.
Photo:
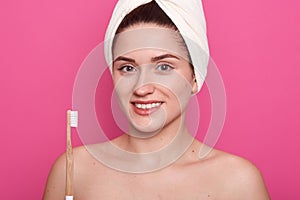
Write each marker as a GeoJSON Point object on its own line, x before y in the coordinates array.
{"type": "Point", "coordinates": [72, 121]}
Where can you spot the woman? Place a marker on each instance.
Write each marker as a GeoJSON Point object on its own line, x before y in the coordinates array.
{"type": "Point", "coordinates": [155, 73]}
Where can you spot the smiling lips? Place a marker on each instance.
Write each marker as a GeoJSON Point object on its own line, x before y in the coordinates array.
{"type": "Point", "coordinates": [145, 107]}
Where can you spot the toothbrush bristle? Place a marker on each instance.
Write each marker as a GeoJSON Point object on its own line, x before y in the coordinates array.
{"type": "Point", "coordinates": [74, 118]}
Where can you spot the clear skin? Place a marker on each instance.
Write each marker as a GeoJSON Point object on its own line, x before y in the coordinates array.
{"type": "Point", "coordinates": [218, 176]}
{"type": "Point", "coordinates": [155, 74]}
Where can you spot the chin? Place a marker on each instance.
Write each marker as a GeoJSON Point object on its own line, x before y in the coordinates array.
{"type": "Point", "coordinates": [147, 126]}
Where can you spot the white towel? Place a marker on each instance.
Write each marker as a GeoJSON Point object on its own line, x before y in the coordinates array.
{"type": "Point", "coordinates": [187, 15]}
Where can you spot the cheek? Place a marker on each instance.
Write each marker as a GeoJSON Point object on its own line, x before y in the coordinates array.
{"type": "Point", "coordinates": [179, 83]}
{"type": "Point", "coordinates": [181, 93]}
{"type": "Point", "coordinates": [123, 86]}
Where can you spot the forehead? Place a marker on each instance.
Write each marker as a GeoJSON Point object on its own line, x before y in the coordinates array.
{"type": "Point", "coordinates": [144, 38]}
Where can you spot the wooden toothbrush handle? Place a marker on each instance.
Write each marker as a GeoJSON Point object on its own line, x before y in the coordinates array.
{"type": "Point", "coordinates": [69, 159]}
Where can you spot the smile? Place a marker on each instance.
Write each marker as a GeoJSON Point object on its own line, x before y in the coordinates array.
{"type": "Point", "coordinates": [147, 106]}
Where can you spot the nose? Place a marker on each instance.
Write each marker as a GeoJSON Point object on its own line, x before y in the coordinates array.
{"type": "Point", "coordinates": [144, 90]}
{"type": "Point", "coordinates": [144, 85]}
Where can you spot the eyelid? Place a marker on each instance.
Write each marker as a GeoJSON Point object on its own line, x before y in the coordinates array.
{"type": "Point", "coordinates": [122, 68]}
{"type": "Point", "coordinates": [125, 65]}
{"type": "Point", "coordinates": [167, 64]}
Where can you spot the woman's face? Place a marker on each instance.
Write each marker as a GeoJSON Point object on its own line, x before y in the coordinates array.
{"type": "Point", "coordinates": [153, 77]}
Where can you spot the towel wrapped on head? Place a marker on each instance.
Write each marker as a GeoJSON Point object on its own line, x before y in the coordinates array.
{"type": "Point", "coordinates": [188, 17]}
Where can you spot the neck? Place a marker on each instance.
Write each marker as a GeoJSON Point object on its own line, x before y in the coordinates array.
{"type": "Point", "coordinates": [174, 132]}
{"type": "Point", "coordinates": [172, 144]}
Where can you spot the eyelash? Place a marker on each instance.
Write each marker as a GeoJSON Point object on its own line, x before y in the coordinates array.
{"type": "Point", "coordinates": [169, 67]}
{"type": "Point", "coordinates": [124, 68]}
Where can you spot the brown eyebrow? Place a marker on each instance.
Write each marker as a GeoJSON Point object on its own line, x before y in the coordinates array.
{"type": "Point", "coordinates": [122, 58]}
{"type": "Point", "coordinates": [154, 59]}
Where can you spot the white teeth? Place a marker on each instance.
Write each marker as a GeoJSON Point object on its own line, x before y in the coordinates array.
{"type": "Point", "coordinates": [147, 106]}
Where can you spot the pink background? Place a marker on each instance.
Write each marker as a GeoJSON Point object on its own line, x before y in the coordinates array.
{"type": "Point", "coordinates": [255, 44]}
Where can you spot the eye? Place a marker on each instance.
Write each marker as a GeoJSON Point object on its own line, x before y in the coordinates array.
{"type": "Point", "coordinates": [164, 67]}
{"type": "Point", "coordinates": [127, 68]}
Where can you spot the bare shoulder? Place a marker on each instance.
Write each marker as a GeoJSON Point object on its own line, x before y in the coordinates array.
{"type": "Point", "coordinates": [241, 177]}
{"type": "Point", "coordinates": [233, 162]}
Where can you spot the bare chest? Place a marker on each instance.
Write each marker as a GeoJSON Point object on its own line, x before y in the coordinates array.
{"type": "Point", "coordinates": [160, 186]}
